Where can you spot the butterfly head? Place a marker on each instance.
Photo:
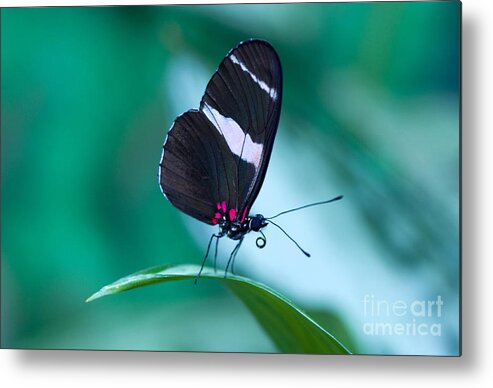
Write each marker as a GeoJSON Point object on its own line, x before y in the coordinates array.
{"type": "Point", "coordinates": [236, 229]}
{"type": "Point", "coordinates": [257, 222]}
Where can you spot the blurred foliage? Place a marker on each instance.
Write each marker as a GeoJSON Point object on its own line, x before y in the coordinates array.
{"type": "Point", "coordinates": [336, 326]}
{"type": "Point", "coordinates": [371, 90]}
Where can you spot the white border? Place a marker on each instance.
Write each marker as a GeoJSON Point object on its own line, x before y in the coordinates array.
{"type": "Point", "coordinates": [127, 369]}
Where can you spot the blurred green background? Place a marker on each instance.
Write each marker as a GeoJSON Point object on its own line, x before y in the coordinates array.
{"type": "Point", "coordinates": [370, 111]}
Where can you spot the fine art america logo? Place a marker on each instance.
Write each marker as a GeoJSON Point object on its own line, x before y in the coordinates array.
{"type": "Point", "coordinates": [402, 318]}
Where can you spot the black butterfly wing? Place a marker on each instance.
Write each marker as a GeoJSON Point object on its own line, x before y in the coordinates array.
{"type": "Point", "coordinates": [243, 99]}
{"type": "Point", "coordinates": [194, 173]}
{"type": "Point", "coordinates": [218, 156]}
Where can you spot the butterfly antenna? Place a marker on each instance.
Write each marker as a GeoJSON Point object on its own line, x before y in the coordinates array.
{"type": "Point", "coordinates": [305, 206]}
{"type": "Point", "coordinates": [292, 239]}
{"type": "Point", "coordinates": [261, 241]}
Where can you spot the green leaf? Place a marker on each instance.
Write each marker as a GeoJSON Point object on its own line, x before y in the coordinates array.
{"type": "Point", "coordinates": [289, 328]}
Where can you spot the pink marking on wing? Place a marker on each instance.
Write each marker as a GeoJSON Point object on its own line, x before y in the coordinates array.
{"type": "Point", "coordinates": [214, 221]}
{"type": "Point", "coordinates": [244, 214]}
{"type": "Point", "coordinates": [217, 215]}
{"type": "Point", "coordinates": [223, 205]}
{"type": "Point", "coordinates": [218, 206]}
{"type": "Point", "coordinates": [232, 214]}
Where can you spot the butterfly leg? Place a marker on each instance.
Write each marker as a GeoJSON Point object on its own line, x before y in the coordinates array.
{"type": "Point", "coordinates": [217, 236]}
{"type": "Point", "coordinates": [232, 257]}
{"type": "Point", "coordinates": [215, 254]}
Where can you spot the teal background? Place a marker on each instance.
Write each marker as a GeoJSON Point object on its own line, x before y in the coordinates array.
{"type": "Point", "coordinates": [370, 111]}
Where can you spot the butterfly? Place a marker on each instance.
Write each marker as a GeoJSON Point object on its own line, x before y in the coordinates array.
{"type": "Point", "coordinates": [215, 158]}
